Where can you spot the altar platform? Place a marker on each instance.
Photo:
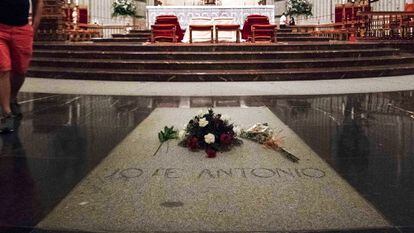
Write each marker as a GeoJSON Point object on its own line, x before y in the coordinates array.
{"type": "Point", "coordinates": [185, 13]}
{"type": "Point", "coordinates": [221, 62]}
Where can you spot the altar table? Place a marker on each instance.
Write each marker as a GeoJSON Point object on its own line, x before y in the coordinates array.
{"type": "Point", "coordinates": [186, 13]}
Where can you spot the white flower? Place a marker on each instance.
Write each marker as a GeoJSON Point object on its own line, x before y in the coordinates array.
{"type": "Point", "coordinates": [225, 117]}
{"type": "Point", "coordinates": [202, 122]}
{"type": "Point", "coordinates": [202, 112]}
{"type": "Point", "coordinates": [182, 134]}
{"type": "Point", "coordinates": [209, 138]}
{"type": "Point", "coordinates": [237, 130]}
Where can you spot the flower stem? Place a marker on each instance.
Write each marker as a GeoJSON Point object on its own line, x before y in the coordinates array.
{"type": "Point", "coordinates": [289, 155]}
{"type": "Point", "coordinates": [159, 147]}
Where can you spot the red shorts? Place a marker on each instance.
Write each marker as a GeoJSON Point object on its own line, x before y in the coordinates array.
{"type": "Point", "coordinates": [16, 48]}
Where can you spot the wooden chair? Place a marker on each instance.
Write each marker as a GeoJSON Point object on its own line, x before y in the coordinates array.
{"type": "Point", "coordinates": [201, 28]}
{"type": "Point", "coordinates": [251, 20]}
{"type": "Point", "coordinates": [167, 21]}
{"type": "Point", "coordinates": [265, 32]}
{"type": "Point", "coordinates": [163, 32]}
{"type": "Point", "coordinates": [226, 29]}
{"type": "Point", "coordinates": [229, 28]}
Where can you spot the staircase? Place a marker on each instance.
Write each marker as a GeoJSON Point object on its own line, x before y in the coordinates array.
{"type": "Point", "coordinates": [140, 36]}
{"type": "Point", "coordinates": [221, 62]}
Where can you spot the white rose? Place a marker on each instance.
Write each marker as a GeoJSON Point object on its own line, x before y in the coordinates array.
{"type": "Point", "coordinates": [237, 130]}
{"type": "Point", "coordinates": [181, 134]}
{"type": "Point", "coordinates": [209, 138]}
{"type": "Point", "coordinates": [202, 122]}
{"type": "Point", "coordinates": [202, 112]}
{"type": "Point", "coordinates": [225, 117]}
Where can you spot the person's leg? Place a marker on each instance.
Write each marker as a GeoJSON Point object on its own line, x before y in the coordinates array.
{"type": "Point", "coordinates": [21, 54]}
{"type": "Point", "coordinates": [6, 118]}
{"type": "Point", "coordinates": [5, 90]}
{"type": "Point", "coordinates": [17, 81]}
{"type": "Point", "coordinates": [5, 68]}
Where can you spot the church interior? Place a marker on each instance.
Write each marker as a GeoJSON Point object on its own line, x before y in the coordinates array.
{"type": "Point", "coordinates": [329, 83]}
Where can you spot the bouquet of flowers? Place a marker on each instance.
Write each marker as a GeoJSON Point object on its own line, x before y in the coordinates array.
{"type": "Point", "coordinates": [124, 8]}
{"type": "Point", "coordinates": [214, 133]}
{"type": "Point", "coordinates": [299, 7]}
{"type": "Point", "coordinates": [210, 132]}
{"type": "Point", "coordinates": [263, 134]}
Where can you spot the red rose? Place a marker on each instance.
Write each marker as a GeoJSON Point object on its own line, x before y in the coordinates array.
{"type": "Point", "coordinates": [211, 153]}
{"type": "Point", "coordinates": [226, 138]}
{"type": "Point", "coordinates": [192, 143]}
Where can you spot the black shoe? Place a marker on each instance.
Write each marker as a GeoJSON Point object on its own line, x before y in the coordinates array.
{"type": "Point", "coordinates": [7, 123]}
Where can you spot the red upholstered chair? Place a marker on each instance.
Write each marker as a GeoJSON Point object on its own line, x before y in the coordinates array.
{"type": "Point", "coordinates": [251, 20]}
{"type": "Point", "coordinates": [164, 32]}
{"type": "Point", "coordinates": [162, 29]}
{"type": "Point", "coordinates": [265, 32]}
{"type": "Point", "coordinates": [171, 19]}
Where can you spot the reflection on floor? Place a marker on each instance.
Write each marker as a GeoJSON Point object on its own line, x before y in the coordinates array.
{"type": "Point", "coordinates": [367, 138]}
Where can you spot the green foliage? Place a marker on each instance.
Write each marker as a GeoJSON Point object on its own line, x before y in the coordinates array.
{"type": "Point", "coordinates": [299, 7]}
{"type": "Point", "coordinates": [167, 134]}
{"type": "Point", "coordinates": [124, 8]}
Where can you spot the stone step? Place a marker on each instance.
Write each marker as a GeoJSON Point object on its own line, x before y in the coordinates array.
{"type": "Point", "coordinates": [301, 38]}
{"type": "Point", "coordinates": [218, 65]}
{"type": "Point", "coordinates": [207, 47]}
{"type": "Point", "coordinates": [121, 39]}
{"type": "Point", "coordinates": [284, 30]}
{"type": "Point", "coordinates": [225, 55]}
{"type": "Point", "coordinates": [140, 31]}
{"type": "Point", "coordinates": [293, 34]}
{"type": "Point", "coordinates": [127, 39]}
{"type": "Point", "coordinates": [219, 75]}
{"type": "Point", "coordinates": [132, 35]}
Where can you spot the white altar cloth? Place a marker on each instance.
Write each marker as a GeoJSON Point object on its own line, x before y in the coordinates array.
{"type": "Point", "coordinates": [186, 13]}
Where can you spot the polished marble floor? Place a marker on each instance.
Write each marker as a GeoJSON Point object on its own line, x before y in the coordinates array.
{"type": "Point", "coordinates": [367, 138]}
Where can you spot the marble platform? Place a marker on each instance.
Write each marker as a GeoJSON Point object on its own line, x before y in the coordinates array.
{"type": "Point", "coordinates": [247, 189]}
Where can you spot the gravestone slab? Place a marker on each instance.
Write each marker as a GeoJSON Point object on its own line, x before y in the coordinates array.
{"type": "Point", "coordinates": [247, 189]}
